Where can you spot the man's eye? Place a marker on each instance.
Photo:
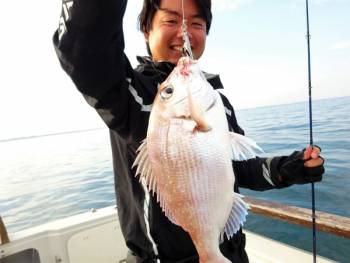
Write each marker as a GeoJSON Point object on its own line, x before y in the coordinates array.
{"type": "Point", "coordinates": [167, 92]}
{"type": "Point", "coordinates": [198, 25]}
{"type": "Point", "coordinates": [171, 21]}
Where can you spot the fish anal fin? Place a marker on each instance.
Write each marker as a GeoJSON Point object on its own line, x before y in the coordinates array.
{"type": "Point", "coordinates": [237, 216]}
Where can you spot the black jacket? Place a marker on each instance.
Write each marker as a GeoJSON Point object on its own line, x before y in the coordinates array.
{"type": "Point", "coordinates": [90, 46]}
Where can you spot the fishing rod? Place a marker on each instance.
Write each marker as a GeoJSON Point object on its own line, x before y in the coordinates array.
{"type": "Point", "coordinates": [311, 137]}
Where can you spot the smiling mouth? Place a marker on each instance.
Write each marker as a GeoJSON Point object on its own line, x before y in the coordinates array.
{"type": "Point", "coordinates": [178, 48]}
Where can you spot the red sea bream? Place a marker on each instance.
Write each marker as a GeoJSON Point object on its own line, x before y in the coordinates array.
{"type": "Point", "coordinates": [187, 156]}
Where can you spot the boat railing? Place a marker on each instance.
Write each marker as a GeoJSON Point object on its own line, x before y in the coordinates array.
{"type": "Point", "coordinates": [4, 238]}
{"type": "Point", "coordinates": [325, 222]}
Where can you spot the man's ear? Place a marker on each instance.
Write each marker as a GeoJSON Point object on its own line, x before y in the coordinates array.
{"type": "Point", "coordinates": [146, 35]}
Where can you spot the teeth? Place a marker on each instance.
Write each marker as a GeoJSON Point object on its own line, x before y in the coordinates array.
{"type": "Point", "coordinates": [179, 48]}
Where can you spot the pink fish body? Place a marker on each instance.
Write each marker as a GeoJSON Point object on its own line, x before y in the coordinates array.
{"type": "Point", "coordinates": [187, 160]}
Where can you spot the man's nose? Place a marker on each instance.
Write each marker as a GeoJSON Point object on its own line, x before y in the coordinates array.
{"type": "Point", "coordinates": [188, 29]}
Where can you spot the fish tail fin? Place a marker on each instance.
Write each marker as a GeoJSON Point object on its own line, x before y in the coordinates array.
{"type": "Point", "coordinates": [218, 259]}
{"type": "Point", "coordinates": [237, 216]}
{"type": "Point", "coordinates": [243, 148]}
{"type": "Point", "coordinates": [209, 252]}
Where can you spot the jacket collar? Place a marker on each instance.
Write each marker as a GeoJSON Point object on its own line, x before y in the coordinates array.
{"type": "Point", "coordinates": [149, 67]}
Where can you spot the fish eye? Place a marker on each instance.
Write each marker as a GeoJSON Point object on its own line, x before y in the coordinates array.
{"type": "Point", "coordinates": [167, 92]}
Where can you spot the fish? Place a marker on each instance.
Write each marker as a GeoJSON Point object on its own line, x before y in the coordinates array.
{"type": "Point", "coordinates": [186, 159]}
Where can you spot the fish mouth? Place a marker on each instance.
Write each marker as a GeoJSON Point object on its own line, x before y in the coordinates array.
{"type": "Point", "coordinates": [195, 115]}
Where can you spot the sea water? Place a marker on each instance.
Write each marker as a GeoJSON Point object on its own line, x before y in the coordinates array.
{"type": "Point", "coordinates": [45, 178]}
{"type": "Point", "coordinates": [282, 129]}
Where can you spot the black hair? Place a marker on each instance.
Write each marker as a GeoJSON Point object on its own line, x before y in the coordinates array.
{"type": "Point", "coordinates": [151, 6]}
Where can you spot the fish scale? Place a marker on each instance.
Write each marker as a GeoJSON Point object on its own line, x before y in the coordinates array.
{"type": "Point", "coordinates": [189, 166]}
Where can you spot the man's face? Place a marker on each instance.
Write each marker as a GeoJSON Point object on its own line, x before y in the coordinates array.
{"type": "Point", "coordinates": [165, 37]}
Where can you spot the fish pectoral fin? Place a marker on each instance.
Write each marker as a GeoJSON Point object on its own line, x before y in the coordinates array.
{"type": "Point", "coordinates": [144, 168]}
{"type": "Point", "coordinates": [243, 148]}
{"type": "Point", "coordinates": [237, 216]}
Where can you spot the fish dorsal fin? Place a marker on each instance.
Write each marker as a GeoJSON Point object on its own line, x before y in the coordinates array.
{"type": "Point", "coordinates": [243, 148]}
{"type": "Point", "coordinates": [144, 168]}
{"type": "Point", "coordinates": [147, 177]}
{"type": "Point", "coordinates": [237, 216]}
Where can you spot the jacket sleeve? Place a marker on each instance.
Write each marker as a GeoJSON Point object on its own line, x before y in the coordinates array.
{"type": "Point", "coordinates": [90, 46]}
{"type": "Point", "coordinates": [258, 173]}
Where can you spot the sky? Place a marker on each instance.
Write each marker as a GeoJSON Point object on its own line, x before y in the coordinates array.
{"type": "Point", "coordinates": [258, 48]}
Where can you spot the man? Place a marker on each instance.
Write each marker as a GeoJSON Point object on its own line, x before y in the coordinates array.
{"type": "Point", "coordinates": [90, 46]}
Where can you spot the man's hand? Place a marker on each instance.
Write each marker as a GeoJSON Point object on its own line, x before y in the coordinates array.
{"type": "Point", "coordinates": [302, 167]}
{"type": "Point", "coordinates": [312, 158]}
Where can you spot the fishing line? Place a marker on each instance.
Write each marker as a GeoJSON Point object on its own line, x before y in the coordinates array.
{"type": "Point", "coordinates": [183, 12]}
{"type": "Point", "coordinates": [186, 49]}
{"type": "Point", "coordinates": [311, 137]}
